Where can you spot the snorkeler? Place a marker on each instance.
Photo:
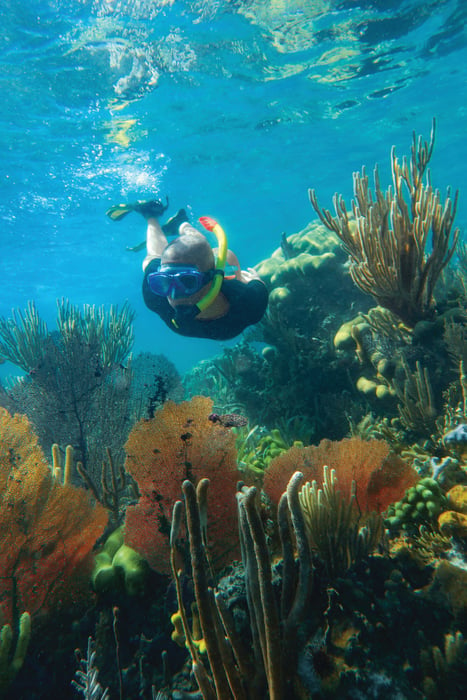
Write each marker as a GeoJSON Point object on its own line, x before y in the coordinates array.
{"type": "Point", "coordinates": [183, 282]}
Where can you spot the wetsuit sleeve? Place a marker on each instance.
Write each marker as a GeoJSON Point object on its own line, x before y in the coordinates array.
{"type": "Point", "coordinates": [257, 300]}
{"type": "Point", "coordinates": [248, 302]}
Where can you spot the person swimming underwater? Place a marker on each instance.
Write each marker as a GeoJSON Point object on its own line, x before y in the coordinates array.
{"type": "Point", "coordinates": [183, 282]}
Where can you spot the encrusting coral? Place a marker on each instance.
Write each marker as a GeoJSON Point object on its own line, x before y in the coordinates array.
{"type": "Point", "coordinates": [179, 443]}
{"type": "Point", "coordinates": [47, 528]}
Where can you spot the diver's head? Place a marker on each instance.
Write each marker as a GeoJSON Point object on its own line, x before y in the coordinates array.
{"type": "Point", "coordinates": [190, 249]}
{"type": "Point", "coordinates": [186, 266]}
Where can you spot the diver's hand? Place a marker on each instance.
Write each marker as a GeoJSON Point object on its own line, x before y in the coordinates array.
{"type": "Point", "coordinates": [249, 275]}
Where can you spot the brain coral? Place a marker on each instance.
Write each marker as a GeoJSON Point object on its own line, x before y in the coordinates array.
{"type": "Point", "coordinates": [381, 476]}
{"type": "Point", "coordinates": [180, 443]}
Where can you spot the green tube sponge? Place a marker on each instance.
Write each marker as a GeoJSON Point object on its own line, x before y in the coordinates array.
{"type": "Point", "coordinates": [10, 667]}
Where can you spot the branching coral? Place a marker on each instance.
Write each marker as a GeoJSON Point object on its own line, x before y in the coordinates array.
{"type": "Point", "coordinates": [333, 524]}
{"type": "Point", "coordinates": [47, 528]}
{"type": "Point", "coordinates": [180, 443]}
{"type": "Point", "coordinates": [115, 490]}
{"type": "Point", "coordinates": [380, 475]}
{"type": "Point", "coordinates": [87, 682]}
{"type": "Point", "coordinates": [398, 247]}
{"type": "Point", "coordinates": [416, 400]}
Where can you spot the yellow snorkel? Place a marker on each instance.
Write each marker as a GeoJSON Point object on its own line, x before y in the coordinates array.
{"type": "Point", "coordinates": [212, 225]}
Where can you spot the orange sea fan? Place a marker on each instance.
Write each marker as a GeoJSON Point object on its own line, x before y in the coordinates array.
{"type": "Point", "coordinates": [381, 476]}
{"type": "Point", "coordinates": [47, 529]}
{"type": "Point", "coordinates": [180, 443]}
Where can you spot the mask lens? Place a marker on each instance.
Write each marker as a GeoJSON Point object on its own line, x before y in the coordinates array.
{"type": "Point", "coordinates": [159, 284]}
{"type": "Point", "coordinates": [191, 282]}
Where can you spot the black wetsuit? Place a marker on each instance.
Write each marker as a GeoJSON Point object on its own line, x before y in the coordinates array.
{"type": "Point", "coordinates": [247, 304]}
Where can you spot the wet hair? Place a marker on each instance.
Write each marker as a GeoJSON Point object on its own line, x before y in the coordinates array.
{"type": "Point", "coordinates": [189, 249]}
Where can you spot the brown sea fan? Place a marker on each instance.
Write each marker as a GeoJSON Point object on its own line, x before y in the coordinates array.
{"type": "Point", "coordinates": [180, 443]}
{"type": "Point", "coordinates": [381, 476]}
{"type": "Point", "coordinates": [47, 529]}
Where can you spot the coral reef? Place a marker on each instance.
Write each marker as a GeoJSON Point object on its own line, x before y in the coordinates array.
{"type": "Point", "coordinates": [296, 374]}
{"type": "Point", "coordinates": [180, 442]}
{"type": "Point", "coordinates": [371, 627]}
{"type": "Point", "coordinates": [47, 528]}
{"type": "Point", "coordinates": [342, 572]}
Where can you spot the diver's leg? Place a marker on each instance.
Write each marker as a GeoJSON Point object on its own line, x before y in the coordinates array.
{"type": "Point", "coordinates": [156, 241]}
{"type": "Point", "coordinates": [186, 228]}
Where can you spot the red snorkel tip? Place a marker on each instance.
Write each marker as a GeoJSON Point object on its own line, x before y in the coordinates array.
{"type": "Point", "coordinates": [208, 222]}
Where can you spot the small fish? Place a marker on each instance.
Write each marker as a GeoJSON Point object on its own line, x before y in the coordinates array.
{"type": "Point", "coordinates": [228, 420]}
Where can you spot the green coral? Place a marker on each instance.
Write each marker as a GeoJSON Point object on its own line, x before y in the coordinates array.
{"type": "Point", "coordinates": [256, 456]}
{"type": "Point", "coordinates": [308, 265]}
{"type": "Point", "coordinates": [421, 505]}
{"type": "Point", "coordinates": [119, 568]}
{"type": "Point", "coordinates": [9, 666]}
{"type": "Point", "coordinates": [356, 338]}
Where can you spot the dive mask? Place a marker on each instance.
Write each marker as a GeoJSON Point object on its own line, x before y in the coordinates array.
{"type": "Point", "coordinates": [178, 281]}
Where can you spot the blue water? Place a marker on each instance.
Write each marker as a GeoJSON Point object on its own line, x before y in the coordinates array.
{"type": "Point", "coordinates": [232, 109]}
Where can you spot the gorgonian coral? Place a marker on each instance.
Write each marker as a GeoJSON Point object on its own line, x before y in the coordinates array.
{"type": "Point", "coordinates": [47, 528]}
{"type": "Point", "coordinates": [380, 475]}
{"type": "Point", "coordinates": [180, 443]}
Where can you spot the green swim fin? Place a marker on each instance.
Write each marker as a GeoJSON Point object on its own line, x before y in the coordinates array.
{"type": "Point", "coordinates": [145, 207]}
{"type": "Point", "coordinates": [118, 211]}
